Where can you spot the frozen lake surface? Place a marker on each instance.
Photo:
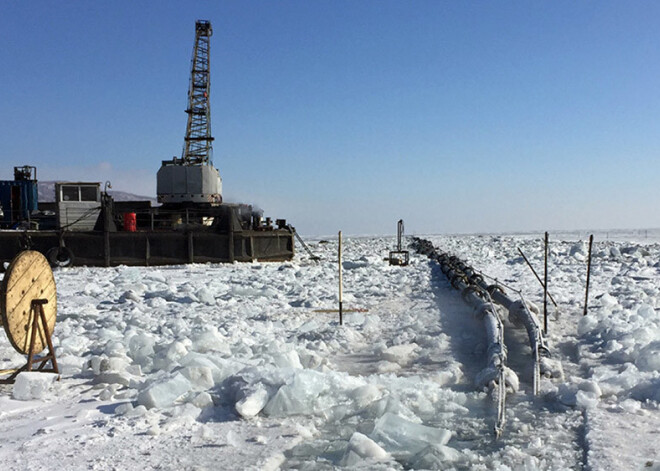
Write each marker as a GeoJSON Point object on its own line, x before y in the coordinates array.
{"type": "Point", "coordinates": [232, 367]}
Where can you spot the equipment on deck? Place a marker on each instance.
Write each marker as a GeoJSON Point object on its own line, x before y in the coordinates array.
{"type": "Point", "coordinates": [193, 178]}
{"type": "Point", "coordinates": [399, 256]}
{"type": "Point", "coordinates": [18, 198]}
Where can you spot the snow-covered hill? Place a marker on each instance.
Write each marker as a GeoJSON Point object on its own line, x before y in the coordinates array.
{"type": "Point", "coordinates": [233, 367]}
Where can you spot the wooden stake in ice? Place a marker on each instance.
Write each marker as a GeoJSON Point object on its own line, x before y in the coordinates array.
{"type": "Point", "coordinates": [586, 294]}
{"type": "Point", "coordinates": [545, 289]}
{"type": "Point", "coordinates": [341, 307]}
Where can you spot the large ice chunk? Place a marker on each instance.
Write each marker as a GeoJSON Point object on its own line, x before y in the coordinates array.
{"type": "Point", "coordinates": [301, 395]}
{"type": "Point", "coordinates": [206, 296]}
{"type": "Point", "coordinates": [32, 385]}
{"type": "Point", "coordinates": [649, 357]}
{"type": "Point", "coordinates": [202, 400]}
{"type": "Point", "coordinates": [130, 295]}
{"type": "Point", "coordinates": [200, 377]}
{"type": "Point", "coordinates": [585, 399]}
{"type": "Point", "coordinates": [645, 391]}
{"type": "Point", "coordinates": [253, 401]}
{"type": "Point", "coordinates": [361, 447]}
{"type": "Point", "coordinates": [164, 392]}
{"type": "Point", "coordinates": [168, 357]}
{"type": "Point", "coordinates": [579, 251]}
{"type": "Point", "coordinates": [210, 340]}
{"type": "Point", "coordinates": [221, 368]}
{"type": "Point", "coordinates": [365, 395]}
{"type": "Point", "coordinates": [288, 359]}
{"type": "Point", "coordinates": [403, 438]}
{"type": "Point", "coordinates": [141, 348]}
{"type": "Point", "coordinates": [400, 354]}
{"type": "Point", "coordinates": [115, 370]}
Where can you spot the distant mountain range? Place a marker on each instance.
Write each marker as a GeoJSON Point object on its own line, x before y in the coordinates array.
{"type": "Point", "coordinates": [46, 192]}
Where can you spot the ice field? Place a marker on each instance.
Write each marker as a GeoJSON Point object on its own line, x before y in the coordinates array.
{"type": "Point", "coordinates": [231, 367]}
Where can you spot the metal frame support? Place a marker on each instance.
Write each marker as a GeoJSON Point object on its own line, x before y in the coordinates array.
{"type": "Point", "coordinates": [38, 317]}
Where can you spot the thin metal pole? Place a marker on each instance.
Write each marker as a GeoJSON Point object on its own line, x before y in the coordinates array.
{"type": "Point", "coordinates": [586, 295]}
{"type": "Point", "coordinates": [545, 289]}
{"type": "Point", "coordinates": [537, 276]}
{"type": "Point", "coordinates": [341, 312]}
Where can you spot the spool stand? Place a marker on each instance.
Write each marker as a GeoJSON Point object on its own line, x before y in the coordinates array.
{"type": "Point", "coordinates": [28, 311]}
{"type": "Point", "coordinates": [38, 317]}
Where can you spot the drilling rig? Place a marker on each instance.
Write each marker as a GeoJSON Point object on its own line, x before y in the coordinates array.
{"type": "Point", "coordinates": [86, 226]}
{"type": "Point", "coordinates": [192, 179]}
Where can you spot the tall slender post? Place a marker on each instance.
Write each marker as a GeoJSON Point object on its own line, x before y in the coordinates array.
{"type": "Point", "coordinates": [586, 295]}
{"type": "Point", "coordinates": [341, 307]}
{"type": "Point", "coordinates": [545, 289]}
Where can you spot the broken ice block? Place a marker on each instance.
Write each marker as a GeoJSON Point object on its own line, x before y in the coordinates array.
{"type": "Point", "coordinates": [253, 401]}
{"type": "Point", "coordinates": [141, 348]}
{"type": "Point", "coordinates": [206, 296]}
{"type": "Point", "coordinates": [203, 400]}
{"type": "Point", "coordinates": [400, 354]}
{"type": "Point", "coordinates": [200, 377]}
{"type": "Point", "coordinates": [288, 359]}
{"type": "Point", "coordinates": [164, 392]}
{"type": "Point", "coordinates": [404, 438]}
{"type": "Point", "coordinates": [361, 447]}
{"type": "Point", "coordinates": [32, 385]}
{"type": "Point", "coordinates": [210, 340]}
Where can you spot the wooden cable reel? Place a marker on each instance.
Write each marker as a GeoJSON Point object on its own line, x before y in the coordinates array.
{"type": "Point", "coordinates": [28, 308]}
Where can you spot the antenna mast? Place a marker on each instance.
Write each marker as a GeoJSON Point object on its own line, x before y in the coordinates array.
{"type": "Point", "coordinates": [197, 148]}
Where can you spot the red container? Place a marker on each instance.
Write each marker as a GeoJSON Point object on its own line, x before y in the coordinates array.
{"type": "Point", "coordinates": [130, 222]}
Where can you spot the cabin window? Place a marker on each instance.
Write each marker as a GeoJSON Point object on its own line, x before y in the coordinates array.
{"type": "Point", "coordinates": [88, 193]}
{"type": "Point", "coordinates": [79, 193]}
{"type": "Point", "coordinates": [69, 193]}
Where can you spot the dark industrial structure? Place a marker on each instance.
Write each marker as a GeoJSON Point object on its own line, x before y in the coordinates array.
{"type": "Point", "coordinates": [193, 179]}
{"type": "Point", "coordinates": [85, 226]}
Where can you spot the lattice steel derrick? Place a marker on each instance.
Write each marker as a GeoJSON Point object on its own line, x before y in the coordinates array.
{"type": "Point", "coordinates": [197, 147]}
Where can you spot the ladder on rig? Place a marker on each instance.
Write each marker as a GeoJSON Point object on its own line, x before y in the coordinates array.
{"type": "Point", "coordinates": [305, 246]}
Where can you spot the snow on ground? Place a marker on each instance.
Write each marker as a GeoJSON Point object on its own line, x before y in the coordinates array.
{"type": "Point", "coordinates": [231, 366]}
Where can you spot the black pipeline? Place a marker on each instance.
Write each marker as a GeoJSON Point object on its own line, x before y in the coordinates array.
{"type": "Point", "coordinates": [478, 294]}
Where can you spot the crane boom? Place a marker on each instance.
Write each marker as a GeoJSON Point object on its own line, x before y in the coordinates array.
{"type": "Point", "coordinates": [197, 148]}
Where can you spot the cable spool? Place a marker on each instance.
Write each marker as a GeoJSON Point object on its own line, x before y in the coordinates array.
{"type": "Point", "coordinates": [28, 309]}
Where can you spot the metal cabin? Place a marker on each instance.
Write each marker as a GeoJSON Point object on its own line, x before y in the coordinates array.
{"type": "Point", "coordinates": [78, 205]}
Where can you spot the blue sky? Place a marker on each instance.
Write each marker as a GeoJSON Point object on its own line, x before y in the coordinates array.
{"type": "Point", "coordinates": [455, 116]}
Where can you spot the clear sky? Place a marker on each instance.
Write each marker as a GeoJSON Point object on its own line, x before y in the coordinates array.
{"type": "Point", "coordinates": [455, 116]}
